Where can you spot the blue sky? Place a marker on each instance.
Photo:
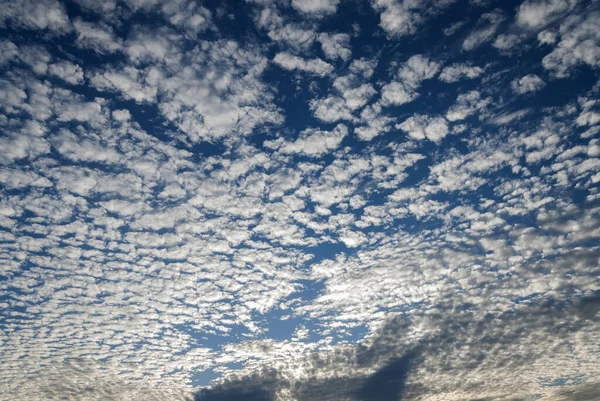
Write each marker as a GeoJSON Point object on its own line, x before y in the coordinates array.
{"type": "Point", "coordinates": [273, 200]}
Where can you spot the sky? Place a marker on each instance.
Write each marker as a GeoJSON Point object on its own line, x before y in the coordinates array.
{"type": "Point", "coordinates": [300, 200]}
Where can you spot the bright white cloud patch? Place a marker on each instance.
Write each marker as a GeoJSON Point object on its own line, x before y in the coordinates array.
{"type": "Point", "coordinates": [417, 69]}
{"type": "Point", "coordinates": [459, 71]}
{"type": "Point", "coordinates": [539, 13]}
{"type": "Point", "coordinates": [311, 142]}
{"type": "Point", "coordinates": [336, 45]}
{"type": "Point", "coordinates": [421, 127]}
{"type": "Point", "coordinates": [316, 6]}
{"type": "Point", "coordinates": [314, 66]}
{"type": "Point", "coordinates": [528, 83]}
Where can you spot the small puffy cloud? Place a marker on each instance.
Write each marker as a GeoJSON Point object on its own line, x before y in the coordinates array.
{"type": "Point", "coordinates": [132, 83]}
{"type": "Point", "coordinates": [466, 104]}
{"type": "Point", "coordinates": [311, 142]}
{"type": "Point", "coordinates": [96, 37]}
{"type": "Point", "coordinates": [316, 7]}
{"type": "Point", "coordinates": [145, 46]}
{"type": "Point", "coordinates": [8, 51]}
{"type": "Point", "coordinates": [526, 84]}
{"type": "Point", "coordinates": [546, 37]}
{"type": "Point", "coordinates": [533, 14]}
{"type": "Point", "coordinates": [416, 69]}
{"type": "Point", "coordinates": [421, 126]}
{"type": "Point", "coordinates": [459, 71]}
{"type": "Point", "coordinates": [121, 115]}
{"type": "Point", "coordinates": [336, 45]}
{"type": "Point", "coordinates": [398, 19]}
{"type": "Point", "coordinates": [331, 109]}
{"type": "Point", "coordinates": [26, 144]}
{"type": "Point", "coordinates": [83, 150]}
{"type": "Point", "coordinates": [290, 62]}
{"type": "Point", "coordinates": [505, 42]}
{"type": "Point", "coordinates": [354, 91]}
{"type": "Point", "coordinates": [294, 36]}
{"type": "Point", "coordinates": [190, 16]}
{"type": "Point", "coordinates": [397, 93]}
{"type": "Point", "coordinates": [373, 123]}
{"type": "Point", "coordinates": [403, 18]}
{"type": "Point", "coordinates": [67, 71]}
{"type": "Point", "coordinates": [588, 118]}
{"type": "Point", "coordinates": [487, 26]}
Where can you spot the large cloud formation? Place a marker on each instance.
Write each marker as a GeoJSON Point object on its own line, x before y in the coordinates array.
{"type": "Point", "coordinates": [299, 200]}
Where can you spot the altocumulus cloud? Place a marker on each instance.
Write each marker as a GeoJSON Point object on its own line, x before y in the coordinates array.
{"type": "Point", "coordinates": [299, 200]}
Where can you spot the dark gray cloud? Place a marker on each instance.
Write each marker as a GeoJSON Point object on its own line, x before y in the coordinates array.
{"type": "Point", "coordinates": [462, 353]}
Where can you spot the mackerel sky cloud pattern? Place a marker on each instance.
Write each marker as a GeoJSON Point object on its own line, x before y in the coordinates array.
{"type": "Point", "coordinates": [300, 200]}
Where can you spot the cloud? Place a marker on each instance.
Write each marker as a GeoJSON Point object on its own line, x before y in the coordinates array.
{"type": "Point", "coordinates": [315, 66]}
{"type": "Point", "coordinates": [416, 69]}
{"type": "Point", "coordinates": [316, 6]}
{"type": "Point", "coordinates": [456, 72]}
{"type": "Point", "coordinates": [539, 13]}
{"type": "Point", "coordinates": [487, 26]}
{"type": "Point", "coordinates": [526, 84]}
{"type": "Point", "coordinates": [97, 37]}
{"type": "Point", "coordinates": [331, 109]}
{"type": "Point", "coordinates": [400, 18]}
{"type": "Point", "coordinates": [29, 14]}
{"type": "Point", "coordinates": [336, 45]}
{"type": "Point", "coordinates": [411, 354]}
{"type": "Point", "coordinates": [178, 209]}
{"type": "Point", "coordinates": [67, 71]}
{"type": "Point", "coordinates": [132, 83]}
{"type": "Point", "coordinates": [466, 104]}
{"type": "Point", "coordinates": [311, 142]}
{"type": "Point", "coordinates": [579, 44]}
{"type": "Point", "coordinates": [421, 127]}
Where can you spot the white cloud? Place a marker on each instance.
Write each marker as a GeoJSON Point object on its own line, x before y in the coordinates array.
{"type": "Point", "coordinates": [403, 18]}
{"type": "Point", "coordinates": [316, 6]}
{"type": "Point", "coordinates": [8, 51]}
{"type": "Point", "coordinates": [83, 150]}
{"type": "Point", "coordinates": [486, 29]}
{"type": "Point", "coordinates": [467, 104]}
{"type": "Point", "coordinates": [396, 93]}
{"type": "Point", "coordinates": [35, 14]}
{"type": "Point", "coordinates": [336, 45]}
{"type": "Point", "coordinates": [331, 109]}
{"type": "Point", "coordinates": [97, 37]}
{"type": "Point", "coordinates": [311, 142]}
{"type": "Point", "coordinates": [416, 69]}
{"type": "Point", "coordinates": [314, 66]}
{"type": "Point", "coordinates": [526, 84]}
{"type": "Point", "coordinates": [67, 71]}
{"type": "Point", "coordinates": [506, 42]}
{"type": "Point", "coordinates": [534, 14]}
{"type": "Point", "coordinates": [588, 118]}
{"type": "Point", "coordinates": [396, 19]}
{"type": "Point", "coordinates": [579, 44]}
{"type": "Point", "coordinates": [459, 71]}
{"type": "Point", "coordinates": [421, 127]}
{"type": "Point", "coordinates": [546, 37]}
{"type": "Point", "coordinates": [132, 83]}
{"type": "Point", "coordinates": [355, 92]}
